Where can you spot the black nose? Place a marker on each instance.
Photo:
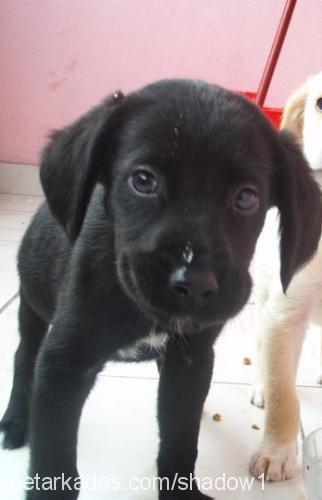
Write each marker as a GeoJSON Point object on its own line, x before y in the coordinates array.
{"type": "Point", "coordinates": [194, 284]}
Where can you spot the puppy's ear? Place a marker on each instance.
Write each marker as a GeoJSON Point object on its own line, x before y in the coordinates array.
{"type": "Point", "coordinates": [71, 163]}
{"type": "Point", "coordinates": [293, 113]}
{"type": "Point", "coordinates": [298, 198]}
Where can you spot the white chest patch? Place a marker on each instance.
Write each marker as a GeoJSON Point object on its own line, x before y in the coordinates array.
{"type": "Point", "coordinates": [152, 344]}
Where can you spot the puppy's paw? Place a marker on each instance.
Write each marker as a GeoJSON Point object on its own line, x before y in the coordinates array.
{"type": "Point", "coordinates": [192, 493]}
{"type": "Point", "coordinates": [319, 378]}
{"type": "Point", "coordinates": [257, 395]}
{"type": "Point", "coordinates": [14, 434]}
{"type": "Point", "coordinates": [275, 462]}
{"type": "Point", "coordinates": [200, 496]}
{"type": "Point", "coordinates": [185, 495]}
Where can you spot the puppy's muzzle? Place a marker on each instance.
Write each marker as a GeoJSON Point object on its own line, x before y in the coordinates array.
{"type": "Point", "coordinates": [195, 285]}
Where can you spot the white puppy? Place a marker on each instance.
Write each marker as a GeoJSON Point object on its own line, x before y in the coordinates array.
{"type": "Point", "coordinates": [283, 319]}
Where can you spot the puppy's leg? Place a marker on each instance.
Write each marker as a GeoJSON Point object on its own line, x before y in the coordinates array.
{"type": "Point", "coordinates": [185, 377]}
{"type": "Point", "coordinates": [283, 333]}
{"type": "Point", "coordinates": [15, 420]}
{"type": "Point", "coordinates": [65, 373]}
{"type": "Point", "coordinates": [257, 392]}
{"type": "Point", "coordinates": [262, 269]}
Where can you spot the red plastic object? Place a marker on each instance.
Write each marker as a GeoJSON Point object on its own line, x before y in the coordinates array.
{"type": "Point", "coordinates": [275, 52]}
{"type": "Point", "coordinates": [274, 114]}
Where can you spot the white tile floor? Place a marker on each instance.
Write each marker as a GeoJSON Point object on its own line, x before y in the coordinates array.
{"type": "Point", "coordinates": [118, 434]}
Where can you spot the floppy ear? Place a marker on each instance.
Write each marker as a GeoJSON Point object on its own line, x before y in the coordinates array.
{"type": "Point", "coordinates": [293, 113]}
{"type": "Point", "coordinates": [71, 161]}
{"type": "Point", "coordinates": [298, 198]}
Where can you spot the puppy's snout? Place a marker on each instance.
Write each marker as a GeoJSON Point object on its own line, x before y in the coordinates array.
{"type": "Point", "coordinates": [198, 285]}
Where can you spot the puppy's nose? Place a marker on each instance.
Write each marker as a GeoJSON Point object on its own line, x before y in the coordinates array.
{"type": "Point", "coordinates": [194, 284]}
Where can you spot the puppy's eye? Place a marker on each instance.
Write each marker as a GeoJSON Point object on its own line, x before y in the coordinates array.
{"type": "Point", "coordinates": [319, 104]}
{"type": "Point", "coordinates": [246, 200]}
{"type": "Point", "coordinates": [144, 182]}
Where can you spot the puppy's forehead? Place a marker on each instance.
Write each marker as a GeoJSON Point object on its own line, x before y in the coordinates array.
{"type": "Point", "coordinates": [191, 120]}
{"type": "Point", "coordinates": [196, 109]}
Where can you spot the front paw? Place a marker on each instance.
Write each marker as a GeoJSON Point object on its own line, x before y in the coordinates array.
{"type": "Point", "coordinates": [14, 433]}
{"type": "Point", "coordinates": [52, 484]}
{"type": "Point", "coordinates": [184, 495]}
{"type": "Point", "coordinates": [199, 496]}
{"type": "Point", "coordinates": [185, 489]}
{"type": "Point", "coordinates": [46, 494]}
{"type": "Point", "coordinates": [257, 395]}
{"type": "Point", "coordinates": [51, 495]}
{"type": "Point", "coordinates": [275, 462]}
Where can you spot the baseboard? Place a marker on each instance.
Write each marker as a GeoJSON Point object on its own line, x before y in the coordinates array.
{"type": "Point", "coordinates": [17, 178]}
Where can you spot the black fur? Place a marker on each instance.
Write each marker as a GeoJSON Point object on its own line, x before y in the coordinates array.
{"type": "Point", "coordinates": [98, 260]}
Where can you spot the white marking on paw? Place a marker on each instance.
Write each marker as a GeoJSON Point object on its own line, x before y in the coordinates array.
{"type": "Point", "coordinates": [257, 395]}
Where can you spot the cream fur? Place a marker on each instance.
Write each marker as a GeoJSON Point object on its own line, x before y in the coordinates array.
{"type": "Point", "coordinates": [283, 319]}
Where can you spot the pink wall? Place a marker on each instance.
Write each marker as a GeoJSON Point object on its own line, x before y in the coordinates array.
{"type": "Point", "coordinates": [59, 57]}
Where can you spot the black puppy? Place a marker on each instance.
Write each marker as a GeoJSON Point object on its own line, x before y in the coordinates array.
{"type": "Point", "coordinates": [154, 205]}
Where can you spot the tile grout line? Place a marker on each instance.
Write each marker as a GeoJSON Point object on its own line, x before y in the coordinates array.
{"type": "Point", "coordinates": [15, 211]}
{"type": "Point", "coordinates": [7, 304]}
{"type": "Point", "coordinates": [9, 241]}
{"type": "Point", "coordinates": [3, 193]}
{"type": "Point", "coordinates": [141, 377]}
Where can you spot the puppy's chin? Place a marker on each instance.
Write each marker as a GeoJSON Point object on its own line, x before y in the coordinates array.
{"type": "Point", "coordinates": [151, 295]}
